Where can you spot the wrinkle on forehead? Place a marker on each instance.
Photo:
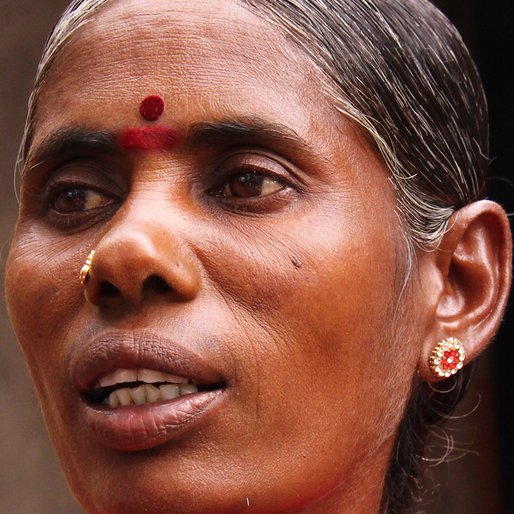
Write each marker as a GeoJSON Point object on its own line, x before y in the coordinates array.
{"type": "Point", "coordinates": [206, 53]}
{"type": "Point", "coordinates": [186, 35]}
{"type": "Point", "coordinates": [210, 61]}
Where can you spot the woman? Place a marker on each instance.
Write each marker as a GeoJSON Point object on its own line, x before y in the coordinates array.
{"type": "Point", "coordinates": [250, 246]}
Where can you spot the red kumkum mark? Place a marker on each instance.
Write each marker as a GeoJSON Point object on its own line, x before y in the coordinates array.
{"type": "Point", "coordinates": [149, 138]}
{"type": "Point", "coordinates": [152, 107]}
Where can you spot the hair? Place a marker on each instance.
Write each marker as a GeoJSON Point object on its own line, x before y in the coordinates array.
{"type": "Point", "coordinates": [400, 70]}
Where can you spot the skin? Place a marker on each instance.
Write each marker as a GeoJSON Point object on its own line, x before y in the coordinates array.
{"type": "Point", "coordinates": [292, 294]}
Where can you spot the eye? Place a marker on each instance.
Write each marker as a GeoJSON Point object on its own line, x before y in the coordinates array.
{"type": "Point", "coordinates": [72, 192]}
{"type": "Point", "coordinates": [77, 199]}
{"type": "Point", "coordinates": [248, 184]}
{"type": "Point", "coordinates": [75, 206]}
{"type": "Point", "coordinates": [248, 176]}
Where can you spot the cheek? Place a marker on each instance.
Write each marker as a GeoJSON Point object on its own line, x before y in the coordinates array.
{"type": "Point", "coordinates": [319, 353]}
{"type": "Point", "coordinates": [43, 294]}
{"type": "Point", "coordinates": [315, 287]}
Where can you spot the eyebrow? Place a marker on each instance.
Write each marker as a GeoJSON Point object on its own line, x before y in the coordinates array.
{"type": "Point", "coordinates": [253, 128]}
{"type": "Point", "coordinates": [257, 130]}
{"type": "Point", "coordinates": [69, 140]}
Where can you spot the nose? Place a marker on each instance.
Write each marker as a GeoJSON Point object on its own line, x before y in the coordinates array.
{"type": "Point", "coordinates": [140, 261]}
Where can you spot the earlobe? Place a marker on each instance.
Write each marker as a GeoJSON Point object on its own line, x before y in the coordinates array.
{"type": "Point", "coordinates": [473, 266]}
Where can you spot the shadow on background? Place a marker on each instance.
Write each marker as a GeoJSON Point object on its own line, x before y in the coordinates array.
{"type": "Point", "coordinates": [488, 28]}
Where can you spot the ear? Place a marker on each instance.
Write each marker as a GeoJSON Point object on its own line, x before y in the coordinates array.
{"type": "Point", "coordinates": [470, 277]}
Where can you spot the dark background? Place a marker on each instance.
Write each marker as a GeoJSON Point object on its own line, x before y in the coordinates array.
{"type": "Point", "coordinates": [488, 28]}
{"type": "Point", "coordinates": [480, 482]}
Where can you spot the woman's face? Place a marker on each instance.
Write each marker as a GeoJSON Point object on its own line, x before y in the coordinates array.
{"type": "Point", "coordinates": [247, 242]}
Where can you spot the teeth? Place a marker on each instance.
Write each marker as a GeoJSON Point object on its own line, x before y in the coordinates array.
{"type": "Point", "coordinates": [124, 396]}
{"type": "Point", "coordinates": [149, 376]}
{"type": "Point", "coordinates": [139, 395]}
{"type": "Point", "coordinates": [152, 393]}
{"type": "Point", "coordinates": [169, 391]}
{"type": "Point", "coordinates": [119, 376]}
{"type": "Point", "coordinates": [148, 393]}
{"type": "Point", "coordinates": [188, 389]}
{"type": "Point", "coordinates": [113, 401]}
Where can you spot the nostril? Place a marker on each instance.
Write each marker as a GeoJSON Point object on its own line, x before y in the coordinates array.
{"type": "Point", "coordinates": [156, 284]}
{"type": "Point", "coordinates": [108, 290]}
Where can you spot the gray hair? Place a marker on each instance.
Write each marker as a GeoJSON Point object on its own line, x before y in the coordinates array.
{"type": "Point", "coordinates": [399, 69]}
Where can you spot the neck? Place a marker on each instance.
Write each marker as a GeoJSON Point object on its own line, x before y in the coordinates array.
{"type": "Point", "coordinates": [360, 494]}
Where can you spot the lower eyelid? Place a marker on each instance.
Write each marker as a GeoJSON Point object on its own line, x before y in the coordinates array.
{"type": "Point", "coordinates": [79, 221]}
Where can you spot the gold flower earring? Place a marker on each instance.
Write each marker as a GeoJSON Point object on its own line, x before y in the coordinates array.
{"type": "Point", "coordinates": [447, 358]}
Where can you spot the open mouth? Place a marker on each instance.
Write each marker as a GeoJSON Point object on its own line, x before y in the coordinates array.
{"type": "Point", "coordinates": [139, 390]}
{"type": "Point", "coordinates": [124, 387]}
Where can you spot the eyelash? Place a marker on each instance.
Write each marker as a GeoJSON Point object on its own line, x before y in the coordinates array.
{"type": "Point", "coordinates": [274, 170]}
{"type": "Point", "coordinates": [249, 171]}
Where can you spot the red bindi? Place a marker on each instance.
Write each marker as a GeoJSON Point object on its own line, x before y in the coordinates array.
{"type": "Point", "coordinates": [152, 107]}
{"type": "Point", "coordinates": [149, 138]}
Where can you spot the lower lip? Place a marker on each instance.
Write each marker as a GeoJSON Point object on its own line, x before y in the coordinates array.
{"type": "Point", "coordinates": [141, 427]}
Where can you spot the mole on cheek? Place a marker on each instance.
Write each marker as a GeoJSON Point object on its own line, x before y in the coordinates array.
{"type": "Point", "coordinates": [149, 138]}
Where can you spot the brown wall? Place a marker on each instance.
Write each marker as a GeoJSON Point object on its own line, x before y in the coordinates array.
{"type": "Point", "coordinates": [30, 479]}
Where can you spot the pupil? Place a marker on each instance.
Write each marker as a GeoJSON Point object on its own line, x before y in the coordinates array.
{"type": "Point", "coordinates": [71, 200]}
{"type": "Point", "coordinates": [247, 185]}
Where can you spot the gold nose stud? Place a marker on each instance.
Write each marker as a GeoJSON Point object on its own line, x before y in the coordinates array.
{"type": "Point", "coordinates": [84, 272]}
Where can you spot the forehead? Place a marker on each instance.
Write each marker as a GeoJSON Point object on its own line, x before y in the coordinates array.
{"type": "Point", "coordinates": [208, 59]}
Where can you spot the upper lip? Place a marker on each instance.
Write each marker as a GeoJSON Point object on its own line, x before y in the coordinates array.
{"type": "Point", "coordinates": [138, 349]}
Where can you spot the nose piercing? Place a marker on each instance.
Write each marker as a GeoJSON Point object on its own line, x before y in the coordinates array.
{"type": "Point", "coordinates": [84, 272]}
{"type": "Point", "coordinates": [447, 358]}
